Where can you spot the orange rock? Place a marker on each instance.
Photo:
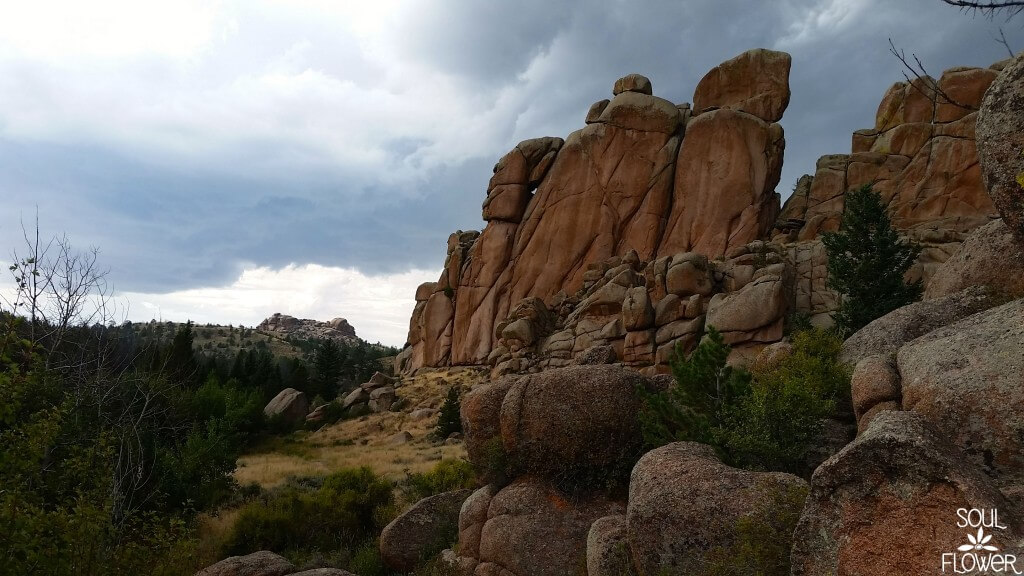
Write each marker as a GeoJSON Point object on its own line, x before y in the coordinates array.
{"type": "Point", "coordinates": [729, 165]}
{"type": "Point", "coordinates": [965, 87]}
{"type": "Point", "coordinates": [755, 82]}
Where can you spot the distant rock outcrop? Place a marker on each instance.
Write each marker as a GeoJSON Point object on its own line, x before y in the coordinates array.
{"type": "Point", "coordinates": [283, 325]}
{"type": "Point", "coordinates": [656, 220]}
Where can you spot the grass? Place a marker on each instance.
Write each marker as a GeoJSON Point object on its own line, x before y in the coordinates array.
{"type": "Point", "coordinates": [363, 441]}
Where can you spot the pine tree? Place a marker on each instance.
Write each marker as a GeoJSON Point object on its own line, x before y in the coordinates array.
{"type": "Point", "coordinates": [867, 263]}
{"type": "Point", "coordinates": [449, 420]}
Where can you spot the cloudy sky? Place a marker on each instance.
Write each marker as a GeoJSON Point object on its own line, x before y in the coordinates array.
{"type": "Point", "coordinates": [238, 158]}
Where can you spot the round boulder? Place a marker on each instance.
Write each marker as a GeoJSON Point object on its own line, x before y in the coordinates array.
{"type": "Point", "coordinates": [572, 422]}
{"type": "Point", "coordinates": [423, 530]}
{"type": "Point", "coordinates": [684, 503]}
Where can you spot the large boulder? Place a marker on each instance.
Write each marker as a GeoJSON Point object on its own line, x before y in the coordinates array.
{"type": "Point", "coordinates": [887, 334]}
{"type": "Point", "coordinates": [262, 563]}
{"type": "Point", "coordinates": [290, 405]}
{"type": "Point", "coordinates": [533, 529]}
{"type": "Point", "coordinates": [684, 502]}
{"type": "Point", "coordinates": [990, 256]}
{"type": "Point", "coordinates": [900, 482]}
{"type": "Point", "coordinates": [422, 530]}
{"type": "Point", "coordinates": [755, 312]}
{"type": "Point", "coordinates": [755, 82]}
{"type": "Point", "coordinates": [480, 411]}
{"type": "Point", "coordinates": [1000, 134]}
{"type": "Point", "coordinates": [967, 379]}
{"type": "Point", "coordinates": [541, 436]}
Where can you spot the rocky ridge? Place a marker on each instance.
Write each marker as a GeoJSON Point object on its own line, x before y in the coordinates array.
{"type": "Point", "coordinates": [679, 201]}
{"type": "Point", "coordinates": [283, 325]}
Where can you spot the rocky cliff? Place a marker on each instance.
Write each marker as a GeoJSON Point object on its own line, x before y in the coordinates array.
{"type": "Point", "coordinates": [657, 218]}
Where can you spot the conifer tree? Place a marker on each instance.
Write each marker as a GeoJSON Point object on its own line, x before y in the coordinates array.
{"type": "Point", "coordinates": [868, 262]}
{"type": "Point", "coordinates": [449, 420]}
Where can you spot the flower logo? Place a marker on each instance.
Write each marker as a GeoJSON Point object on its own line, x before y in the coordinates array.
{"type": "Point", "coordinates": [979, 542]}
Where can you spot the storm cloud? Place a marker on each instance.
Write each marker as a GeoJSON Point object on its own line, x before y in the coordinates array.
{"type": "Point", "coordinates": [194, 142]}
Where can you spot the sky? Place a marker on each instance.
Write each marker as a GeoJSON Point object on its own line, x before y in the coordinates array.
{"type": "Point", "coordinates": [232, 159]}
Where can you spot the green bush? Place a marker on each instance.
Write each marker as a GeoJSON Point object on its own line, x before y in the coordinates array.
{"type": "Point", "coordinates": [445, 476]}
{"type": "Point", "coordinates": [340, 513]}
{"type": "Point", "coordinates": [449, 420]}
{"type": "Point", "coordinates": [770, 422]}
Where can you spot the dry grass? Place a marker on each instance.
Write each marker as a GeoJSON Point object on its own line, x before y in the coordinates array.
{"type": "Point", "coordinates": [364, 441]}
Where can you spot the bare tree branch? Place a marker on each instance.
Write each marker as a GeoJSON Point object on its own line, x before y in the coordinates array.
{"type": "Point", "coordinates": [921, 76]}
{"type": "Point", "coordinates": [989, 8]}
{"type": "Point", "coordinates": [1002, 40]}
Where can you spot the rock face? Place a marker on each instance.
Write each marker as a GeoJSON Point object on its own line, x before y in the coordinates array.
{"type": "Point", "coordinates": [967, 379]}
{"type": "Point", "coordinates": [1001, 144]}
{"type": "Point", "coordinates": [289, 404]}
{"type": "Point", "coordinates": [755, 82]}
{"type": "Point", "coordinates": [261, 563]}
{"type": "Point", "coordinates": [900, 481]}
{"type": "Point", "coordinates": [284, 325]}
{"type": "Point", "coordinates": [887, 334]}
{"type": "Point", "coordinates": [421, 531]}
{"type": "Point", "coordinates": [683, 502]}
{"type": "Point", "coordinates": [990, 257]}
{"type": "Point", "coordinates": [528, 528]}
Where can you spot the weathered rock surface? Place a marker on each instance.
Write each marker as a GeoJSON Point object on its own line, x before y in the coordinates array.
{"type": "Point", "coordinates": [900, 481]}
{"type": "Point", "coordinates": [729, 165]}
{"type": "Point", "coordinates": [875, 382]}
{"type": "Point", "coordinates": [683, 502]}
{"type": "Point", "coordinates": [290, 405]}
{"type": "Point", "coordinates": [480, 411]}
{"type": "Point", "coordinates": [262, 563]}
{"type": "Point", "coordinates": [422, 530]}
{"type": "Point", "coordinates": [545, 439]}
{"type": "Point", "coordinates": [607, 548]}
{"type": "Point", "coordinates": [887, 334]}
{"type": "Point", "coordinates": [990, 257]}
{"type": "Point", "coordinates": [528, 528]}
{"type": "Point", "coordinates": [967, 379]}
{"type": "Point", "coordinates": [755, 82]}
{"type": "Point", "coordinates": [1001, 144]}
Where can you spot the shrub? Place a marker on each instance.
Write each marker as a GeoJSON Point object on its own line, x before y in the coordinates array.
{"type": "Point", "coordinates": [867, 263]}
{"type": "Point", "coordinates": [448, 420]}
{"type": "Point", "coordinates": [445, 476]}
{"type": "Point", "coordinates": [341, 513]}
{"type": "Point", "coordinates": [780, 421]}
{"type": "Point", "coordinates": [695, 407]}
{"type": "Point", "coordinates": [769, 423]}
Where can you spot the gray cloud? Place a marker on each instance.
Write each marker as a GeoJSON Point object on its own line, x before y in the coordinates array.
{"type": "Point", "coordinates": [288, 140]}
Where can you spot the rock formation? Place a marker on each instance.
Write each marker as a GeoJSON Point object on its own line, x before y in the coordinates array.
{"type": "Point", "coordinates": [656, 220]}
{"type": "Point", "coordinates": [283, 325]}
{"type": "Point", "coordinates": [1001, 144]}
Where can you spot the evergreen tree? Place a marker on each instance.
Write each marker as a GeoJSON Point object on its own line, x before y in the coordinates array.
{"type": "Point", "coordinates": [867, 263]}
{"type": "Point", "coordinates": [706, 386]}
{"type": "Point", "coordinates": [181, 362]}
{"type": "Point", "coordinates": [327, 362]}
{"type": "Point", "coordinates": [449, 420]}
